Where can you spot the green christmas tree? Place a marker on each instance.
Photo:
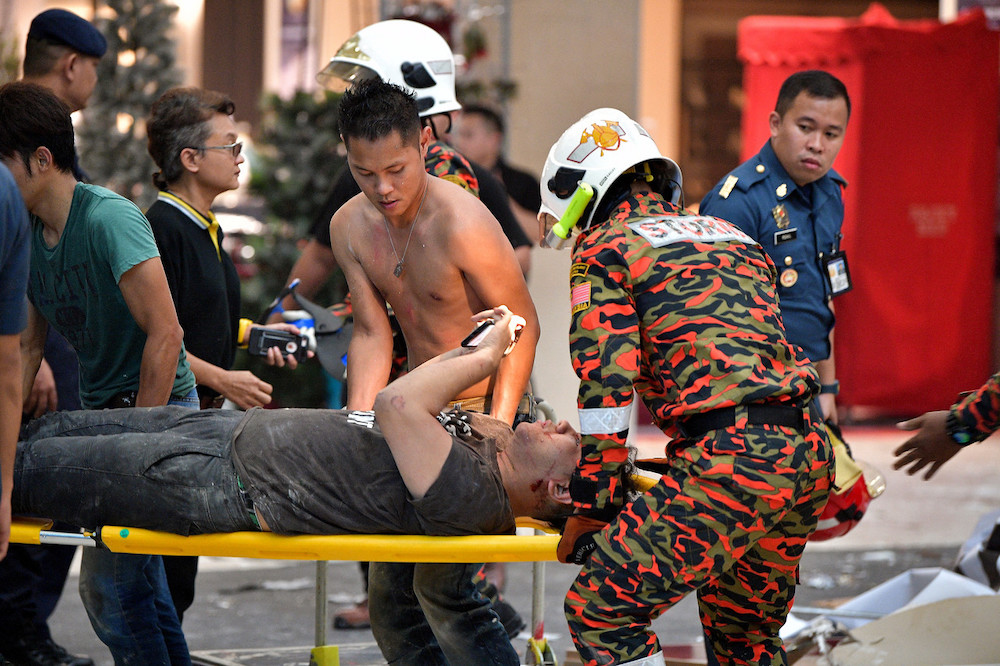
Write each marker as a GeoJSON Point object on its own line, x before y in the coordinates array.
{"type": "Point", "coordinates": [10, 58]}
{"type": "Point", "coordinates": [295, 159]}
{"type": "Point", "coordinates": [140, 65]}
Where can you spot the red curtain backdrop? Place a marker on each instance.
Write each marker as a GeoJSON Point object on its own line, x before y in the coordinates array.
{"type": "Point", "coordinates": [920, 157]}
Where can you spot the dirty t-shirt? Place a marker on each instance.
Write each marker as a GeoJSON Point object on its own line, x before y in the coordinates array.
{"type": "Point", "coordinates": [331, 472]}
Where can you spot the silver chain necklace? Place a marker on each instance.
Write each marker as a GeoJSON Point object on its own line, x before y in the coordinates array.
{"type": "Point", "coordinates": [398, 270]}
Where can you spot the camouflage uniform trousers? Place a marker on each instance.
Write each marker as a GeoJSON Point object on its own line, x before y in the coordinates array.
{"type": "Point", "coordinates": [729, 519]}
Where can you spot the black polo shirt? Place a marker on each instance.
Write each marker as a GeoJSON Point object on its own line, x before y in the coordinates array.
{"type": "Point", "coordinates": [203, 283]}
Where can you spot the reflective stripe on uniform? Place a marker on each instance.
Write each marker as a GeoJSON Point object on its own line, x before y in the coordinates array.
{"type": "Point", "coordinates": [602, 421]}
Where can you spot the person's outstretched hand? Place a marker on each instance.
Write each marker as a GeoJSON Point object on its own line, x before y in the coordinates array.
{"type": "Point", "coordinates": [930, 446]}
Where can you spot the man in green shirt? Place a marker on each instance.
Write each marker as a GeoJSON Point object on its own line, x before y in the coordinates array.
{"type": "Point", "coordinates": [96, 277]}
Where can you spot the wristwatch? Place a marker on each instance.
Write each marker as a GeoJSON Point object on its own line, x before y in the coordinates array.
{"type": "Point", "coordinates": [959, 433]}
{"type": "Point", "coordinates": [833, 388]}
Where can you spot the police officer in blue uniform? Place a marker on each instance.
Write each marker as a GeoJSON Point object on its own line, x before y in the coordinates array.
{"type": "Point", "coordinates": [789, 199]}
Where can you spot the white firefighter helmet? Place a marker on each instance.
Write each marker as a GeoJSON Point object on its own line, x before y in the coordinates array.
{"type": "Point", "coordinates": [406, 53]}
{"type": "Point", "coordinates": [597, 150]}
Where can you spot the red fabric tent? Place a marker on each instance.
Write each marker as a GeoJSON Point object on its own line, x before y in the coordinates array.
{"type": "Point", "coordinates": [920, 158]}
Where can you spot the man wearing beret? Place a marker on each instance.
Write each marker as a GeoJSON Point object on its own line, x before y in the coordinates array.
{"type": "Point", "coordinates": [61, 53]}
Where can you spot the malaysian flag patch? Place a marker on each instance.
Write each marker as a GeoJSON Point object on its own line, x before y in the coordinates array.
{"type": "Point", "coordinates": [580, 297]}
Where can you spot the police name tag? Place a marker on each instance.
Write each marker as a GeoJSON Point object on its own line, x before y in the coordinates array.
{"type": "Point", "coordinates": [660, 231]}
{"type": "Point", "coordinates": [785, 235]}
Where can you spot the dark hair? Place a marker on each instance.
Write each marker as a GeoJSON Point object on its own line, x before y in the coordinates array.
{"type": "Point", "coordinates": [492, 118]}
{"type": "Point", "coordinates": [41, 56]}
{"type": "Point", "coordinates": [32, 117]}
{"type": "Point", "coordinates": [813, 82]}
{"type": "Point", "coordinates": [554, 513]}
{"type": "Point", "coordinates": [181, 119]}
{"type": "Point", "coordinates": [372, 109]}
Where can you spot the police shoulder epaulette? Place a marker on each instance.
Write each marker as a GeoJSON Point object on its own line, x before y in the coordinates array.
{"type": "Point", "coordinates": [742, 178]}
{"type": "Point", "coordinates": [728, 186]}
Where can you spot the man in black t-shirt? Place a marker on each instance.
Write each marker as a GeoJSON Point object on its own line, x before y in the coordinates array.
{"type": "Point", "coordinates": [479, 134]}
{"type": "Point", "coordinates": [403, 468]}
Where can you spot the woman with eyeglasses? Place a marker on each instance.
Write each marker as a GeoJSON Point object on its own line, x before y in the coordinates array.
{"type": "Point", "coordinates": [194, 143]}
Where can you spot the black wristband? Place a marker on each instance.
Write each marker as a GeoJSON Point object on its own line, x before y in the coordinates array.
{"type": "Point", "coordinates": [959, 433]}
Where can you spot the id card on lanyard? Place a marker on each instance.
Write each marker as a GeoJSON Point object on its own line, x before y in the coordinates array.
{"type": "Point", "coordinates": [838, 275]}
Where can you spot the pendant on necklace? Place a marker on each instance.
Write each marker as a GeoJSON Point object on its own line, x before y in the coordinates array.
{"type": "Point", "coordinates": [398, 270]}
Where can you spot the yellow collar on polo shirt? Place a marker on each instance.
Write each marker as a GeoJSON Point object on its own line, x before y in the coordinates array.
{"type": "Point", "coordinates": [208, 222]}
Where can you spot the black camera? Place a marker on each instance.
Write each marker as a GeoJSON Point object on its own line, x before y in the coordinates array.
{"type": "Point", "coordinates": [290, 344]}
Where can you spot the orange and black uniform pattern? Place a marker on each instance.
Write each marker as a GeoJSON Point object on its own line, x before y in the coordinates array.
{"type": "Point", "coordinates": [979, 412]}
{"type": "Point", "coordinates": [446, 163]}
{"type": "Point", "coordinates": [683, 309]}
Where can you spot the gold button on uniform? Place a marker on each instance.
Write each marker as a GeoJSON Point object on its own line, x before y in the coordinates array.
{"type": "Point", "coordinates": [760, 168]}
{"type": "Point", "coordinates": [788, 261]}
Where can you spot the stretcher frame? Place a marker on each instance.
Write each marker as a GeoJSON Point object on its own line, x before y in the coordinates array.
{"type": "Point", "coordinates": [537, 548]}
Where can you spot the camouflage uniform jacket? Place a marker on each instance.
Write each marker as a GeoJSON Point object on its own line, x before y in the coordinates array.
{"type": "Point", "coordinates": [979, 412]}
{"type": "Point", "coordinates": [690, 325]}
{"type": "Point", "coordinates": [446, 163]}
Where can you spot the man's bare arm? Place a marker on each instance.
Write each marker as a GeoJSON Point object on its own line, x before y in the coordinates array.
{"type": "Point", "coordinates": [487, 260]}
{"type": "Point", "coordinates": [32, 347]}
{"type": "Point", "coordinates": [144, 288]}
{"type": "Point", "coordinates": [827, 369]}
{"type": "Point", "coordinates": [44, 395]}
{"type": "Point", "coordinates": [406, 410]}
{"type": "Point", "coordinates": [369, 355]}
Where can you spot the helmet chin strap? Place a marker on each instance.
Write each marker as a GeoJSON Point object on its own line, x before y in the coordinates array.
{"type": "Point", "coordinates": [428, 121]}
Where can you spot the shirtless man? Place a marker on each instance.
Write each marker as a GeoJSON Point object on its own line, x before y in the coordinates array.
{"type": "Point", "coordinates": [425, 246]}
{"type": "Point", "coordinates": [437, 256]}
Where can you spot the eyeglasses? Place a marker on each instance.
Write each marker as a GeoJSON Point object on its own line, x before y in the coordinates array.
{"type": "Point", "coordinates": [234, 148]}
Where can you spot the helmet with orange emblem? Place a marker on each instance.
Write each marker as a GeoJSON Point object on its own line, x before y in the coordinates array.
{"type": "Point", "coordinates": [591, 167]}
{"type": "Point", "coordinates": [406, 53]}
{"type": "Point", "coordinates": [855, 485]}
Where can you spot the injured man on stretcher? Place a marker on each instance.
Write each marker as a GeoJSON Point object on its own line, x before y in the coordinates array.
{"type": "Point", "coordinates": [403, 468]}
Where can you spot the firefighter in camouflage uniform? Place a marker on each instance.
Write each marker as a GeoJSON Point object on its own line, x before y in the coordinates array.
{"type": "Point", "coordinates": [681, 309]}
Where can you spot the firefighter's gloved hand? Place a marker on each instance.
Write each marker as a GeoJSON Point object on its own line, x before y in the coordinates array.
{"type": "Point", "coordinates": [577, 542]}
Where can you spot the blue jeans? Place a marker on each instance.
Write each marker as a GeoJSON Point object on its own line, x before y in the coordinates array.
{"type": "Point", "coordinates": [428, 614]}
{"type": "Point", "coordinates": [128, 601]}
{"type": "Point", "coordinates": [129, 606]}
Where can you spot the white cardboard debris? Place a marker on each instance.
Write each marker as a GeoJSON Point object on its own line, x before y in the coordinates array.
{"type": "Point", "coordinates": [954, 631]}
{"type": "Point", "coordinates": [910, 589]}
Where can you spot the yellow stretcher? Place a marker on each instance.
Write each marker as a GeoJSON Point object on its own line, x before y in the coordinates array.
{"type": "Point", "coordinates": [360, 547]}
{"type": "Point", "coordinates": [539, 548]}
